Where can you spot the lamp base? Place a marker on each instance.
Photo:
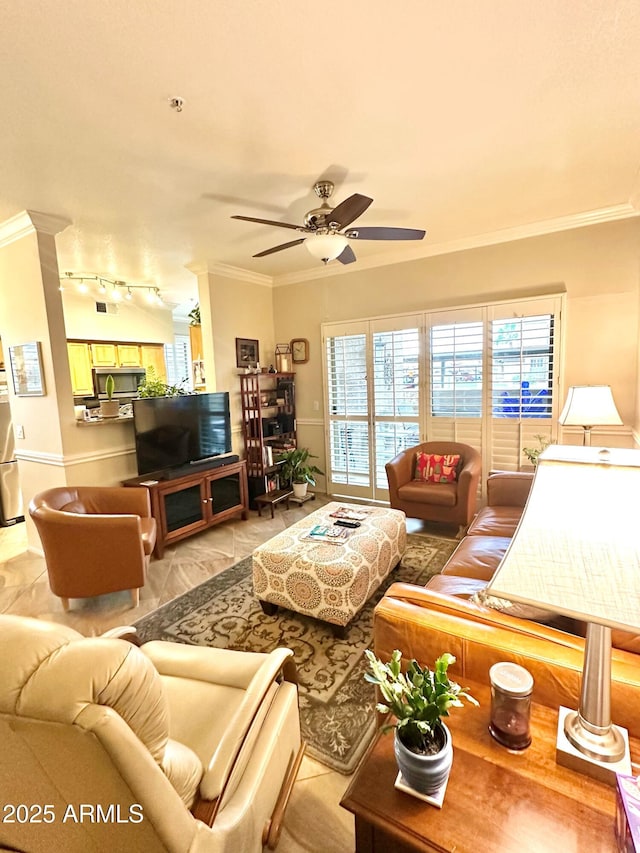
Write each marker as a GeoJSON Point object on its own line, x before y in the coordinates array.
{"type": "Point", "coordinates": [567, 755]}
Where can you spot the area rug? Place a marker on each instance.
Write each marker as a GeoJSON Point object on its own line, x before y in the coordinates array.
{"type": "Point", "coordinates": [337, 706]}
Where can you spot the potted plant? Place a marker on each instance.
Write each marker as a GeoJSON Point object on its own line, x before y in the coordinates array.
{"type": "Point", "coordinates": [532, 453]}
{"type": "Point", "coordinates": [418, 700]}
{"type": "Point", "coordinates": [110, 408]}
{"type": "Point", "coordinates": [153, 386]}
{"type": "Point", "coordinates": [297, 470]}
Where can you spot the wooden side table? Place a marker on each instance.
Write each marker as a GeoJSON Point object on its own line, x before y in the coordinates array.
{"type": "Point", "coordinates": [496, 800]}
{"type": "Point", "coordinates": [270, 499]}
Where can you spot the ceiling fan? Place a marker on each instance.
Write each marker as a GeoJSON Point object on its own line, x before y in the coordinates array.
{"type": "Point", "coordinates": [327, 228]}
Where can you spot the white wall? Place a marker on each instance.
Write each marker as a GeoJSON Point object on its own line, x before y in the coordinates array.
{"type": "Point", "coordinates": [135, 320]}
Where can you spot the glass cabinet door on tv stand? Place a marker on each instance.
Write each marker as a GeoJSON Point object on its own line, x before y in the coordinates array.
{"type": "Point", "coordinates": [268, 426]}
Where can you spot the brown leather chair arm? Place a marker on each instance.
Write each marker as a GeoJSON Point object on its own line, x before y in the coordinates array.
{"type": "Point", "coordinates": [400, 469]}
{"type": "Point", "coordinates": [468, 480]}
{"type": "Point", "coordinates": [116, 500]}
{"type": "Point", "coordinates": [509, 488]}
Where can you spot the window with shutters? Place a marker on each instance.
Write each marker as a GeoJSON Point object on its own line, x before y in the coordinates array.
{"type": "Point", "coordinates": [484, 375]}
{"type": "Point", "coordinates": [348, 410]}
{"type": "Point", "coordinates": [178, 359]}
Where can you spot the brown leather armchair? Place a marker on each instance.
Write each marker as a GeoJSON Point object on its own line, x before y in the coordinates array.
{"type": "Point", "coordinates": [96, 539]}
{"type": "Point", "coordinates": [452, 503]}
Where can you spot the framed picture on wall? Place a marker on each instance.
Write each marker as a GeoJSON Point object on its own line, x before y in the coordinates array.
{"type": "Point", "coordinates": [247, 352]}
{"type": "Point", "coordinates": [26, 370]}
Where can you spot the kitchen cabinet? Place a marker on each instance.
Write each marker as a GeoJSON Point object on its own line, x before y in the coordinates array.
{"type": "Point", "coordinates": [84, 355]}
{"type": "Point", "coordinates": [152, 355]}
{"type": "Point", "coordinates": [104, 355]}
{"type": "Point", "coordinates": [128, 355]}
{"type": "Point", "coordinates": [80, 368]}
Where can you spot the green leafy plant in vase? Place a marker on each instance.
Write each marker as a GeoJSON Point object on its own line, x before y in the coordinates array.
{"type": "Point", "coordinates": [110, 408]}
{"type": "Point", "coordinates": [418, 700]}
{"type": "Point", "coordinates": [297, 470]}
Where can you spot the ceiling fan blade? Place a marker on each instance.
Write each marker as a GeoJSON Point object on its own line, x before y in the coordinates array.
{"type": "Point", "coordinates": [280, 248]}
{"type": "Point", "coordinates": [270, 222]}
{"type": "Point", "coordinates": [385, 234]}
{"type": "Point", "coordinates": [350, 209]}
{"type": "Point", "coordinates": [347, 256]}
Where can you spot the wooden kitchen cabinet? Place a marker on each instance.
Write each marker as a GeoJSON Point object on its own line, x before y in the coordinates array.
{"type": "Point", "coordinates": [152, 355]}
{"type": "Point", "coordinates": [80, 368]}
{"type": "Point", "coordinates": [128, 355]}
{"type": "Point", "coordinates": [104, 355]}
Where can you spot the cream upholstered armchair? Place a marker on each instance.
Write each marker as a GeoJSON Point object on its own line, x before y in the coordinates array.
{"type": "Point", "coordinates": [185, 749]}
{"type": "Point", "coordinates": [96, 539]}
{"type": "Point", "coordinates": [452, 502]}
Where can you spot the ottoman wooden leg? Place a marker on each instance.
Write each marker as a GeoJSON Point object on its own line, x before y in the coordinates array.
{"type": "Point", "coordinates": [339, 631]}
{"type": "Point", "coordinates": [269, 608]}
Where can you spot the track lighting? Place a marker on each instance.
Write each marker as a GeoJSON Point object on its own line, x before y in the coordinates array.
{"type": "Point", "coordinates": [116, 289]}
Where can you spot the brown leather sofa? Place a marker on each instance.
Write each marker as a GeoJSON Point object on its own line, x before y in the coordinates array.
{"type": "Point", "coordinates": [96, 539]}
{"type": "Point", "coordinates": [424, 622]}
{"type": "Point", "coordinates": [451, 503]}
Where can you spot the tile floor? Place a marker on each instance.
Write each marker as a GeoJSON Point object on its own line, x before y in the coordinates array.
{"type": "Point", "coordinates": [314, 820]}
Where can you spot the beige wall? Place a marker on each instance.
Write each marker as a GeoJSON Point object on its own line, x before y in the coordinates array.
{"type": "Point", "coordinates": [598, 266]}
{"type": "Point", "coordinates": [135, 320]}
{"type": "Point", "coordinates": [239, 309]}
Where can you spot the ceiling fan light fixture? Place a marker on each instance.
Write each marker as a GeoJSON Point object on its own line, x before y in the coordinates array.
{"type": "Point", "coordinates": [326, 247]}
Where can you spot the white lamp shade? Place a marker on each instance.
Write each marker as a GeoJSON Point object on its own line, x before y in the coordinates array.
{"type": "Point", "coordinates": [576, 550]}
{"type": "Point", "coordinates": [590, 405]}
{"type": "Point", "coordinates": [326, 247]}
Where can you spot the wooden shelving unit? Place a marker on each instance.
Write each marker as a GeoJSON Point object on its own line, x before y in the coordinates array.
{"type": "Point", "coordinates": [268, 426]}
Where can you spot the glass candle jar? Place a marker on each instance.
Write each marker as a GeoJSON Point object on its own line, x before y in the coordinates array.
{"type": "Point", "coordinates": [511, 687]}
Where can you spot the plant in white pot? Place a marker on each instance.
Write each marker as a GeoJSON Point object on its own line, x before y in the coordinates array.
{"type": "Point", "coordinates": [297, 470]}
{"type": "Point", "coordinates": [110, 408]}
{"type": "Point", "coordinates": [418, 699]}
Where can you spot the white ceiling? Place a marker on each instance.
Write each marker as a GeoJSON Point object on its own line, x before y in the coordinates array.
{"type": "Point", "coordinates": [462, 118]}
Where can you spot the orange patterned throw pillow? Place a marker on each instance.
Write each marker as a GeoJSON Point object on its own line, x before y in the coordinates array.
{"type": "Point", "coordinates": [436, 467]}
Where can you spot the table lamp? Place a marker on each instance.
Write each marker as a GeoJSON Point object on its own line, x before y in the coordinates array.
{"type": "Point", "coordinates": [576, 551]}
{"type": "Point", "coordinates": [588, 406]}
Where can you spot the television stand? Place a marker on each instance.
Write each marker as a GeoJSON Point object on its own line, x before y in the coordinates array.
{"type": "Point", "coordinates": [195, 499]}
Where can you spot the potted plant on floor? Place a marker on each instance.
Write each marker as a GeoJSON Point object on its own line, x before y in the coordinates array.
{"type": "Point", "coordinates": [297, 470]}
{"type": "Point", "coordinates": [110, 408]}
{"type": "Point", "coordinates": [418, 700]}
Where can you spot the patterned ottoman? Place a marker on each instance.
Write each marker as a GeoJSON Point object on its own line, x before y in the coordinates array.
{"type": "Point", "coordinates": [325, 580]}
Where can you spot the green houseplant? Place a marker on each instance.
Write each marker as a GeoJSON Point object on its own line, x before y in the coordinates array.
{"type": "Point", "coordinates": [532, 453]}
{"type": "Point", "coordinates": [110, 408]}
{"type": "Point", "coordinates": [297, 470]}
{"type": "Point", "coordinates": [153, 386]}
{"type": "Point", "coordinates": [418, 699]}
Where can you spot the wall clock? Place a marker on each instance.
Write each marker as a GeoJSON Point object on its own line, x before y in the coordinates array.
{"type": "Point", "coordinates": [299, 350]}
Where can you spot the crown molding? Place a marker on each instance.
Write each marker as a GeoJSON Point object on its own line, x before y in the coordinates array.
{"type": "Point", "coordinates": [505, 235]}
{"type": "Point", "coordinates": [237, 273]}
{"type": "Point", "coordinates": [29, 221]}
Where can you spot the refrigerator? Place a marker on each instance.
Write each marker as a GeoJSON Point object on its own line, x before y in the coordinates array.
{"type": "Point", "coordinates": [10, 495]}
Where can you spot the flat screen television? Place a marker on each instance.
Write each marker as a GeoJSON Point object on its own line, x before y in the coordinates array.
{"type": "Point", "coordinates": [174, 431]}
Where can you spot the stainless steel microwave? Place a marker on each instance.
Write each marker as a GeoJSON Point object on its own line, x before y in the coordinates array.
{"type": "Point", "coordinates": [125, 379]}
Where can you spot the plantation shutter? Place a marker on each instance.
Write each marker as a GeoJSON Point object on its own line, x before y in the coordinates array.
{"type": "Point", "coordinates": [523, 356]}
{"type": "Point", "coordinates": [178, 362]}
{"type": "Point", "coordinates": [397, 374]}
{"type": "Point", "coordinates": [349, 469]}
{"type": "Point", "coordinates": [456, 376]}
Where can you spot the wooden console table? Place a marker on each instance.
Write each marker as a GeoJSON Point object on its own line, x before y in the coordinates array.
{"type": "Point", "coordinates": [496, 800]}
{"type": "Point", "coordinates": [197, 499]}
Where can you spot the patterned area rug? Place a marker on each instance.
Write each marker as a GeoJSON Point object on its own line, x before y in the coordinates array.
{"type": "Point", "coordinates": [337, 706]}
